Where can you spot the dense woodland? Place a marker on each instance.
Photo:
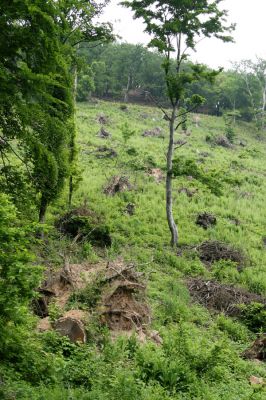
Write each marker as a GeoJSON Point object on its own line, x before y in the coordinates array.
{"type": "Point", "coordinates": [128, 72]}
{"type": "Point", "coordinates": [105, 147]}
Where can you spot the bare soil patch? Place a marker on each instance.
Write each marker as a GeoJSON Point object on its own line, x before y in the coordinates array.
{"type": "Point", "coordinates": [123, 305]}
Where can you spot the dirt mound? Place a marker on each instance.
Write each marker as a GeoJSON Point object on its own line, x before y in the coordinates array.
{"type": "Point", "coordinates": [105, 152]}
{"type": "Point", "coordinates": [84, 224]}
{"type": "Point", "coordinates": [156, 132]}
{"type": "Point", "coordinates": [117, 184]}
{"type": "Point", "coordinates": [123, 304]}
{"type": "Point", "coordinates": [213, 250]}
{"type": "Point", "coordinates": [103, 134]}
{"type": "Point", "coordinates": [220, 297]}
{"type": "Point", "coordinates": [206, 220]}
{"type": "Point", "coordinates": [157, 174]}
{"type": "Point", "coordinates": [258, 349]}
{"type": "Point", "coordinates": [58, 285]}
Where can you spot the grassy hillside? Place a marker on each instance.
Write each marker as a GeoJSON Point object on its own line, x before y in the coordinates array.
{"type": "Point", "coordinates": [144, 237]}
{"type": "Point", "coordinates": [199, 350]}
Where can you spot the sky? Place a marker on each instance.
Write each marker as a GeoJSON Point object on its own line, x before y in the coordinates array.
{"type": "Point", "coordinates": [249, 36]}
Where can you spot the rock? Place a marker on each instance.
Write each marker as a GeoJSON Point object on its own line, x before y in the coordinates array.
{"type": "Point", "coordinates": [71, 327]}
{"type": "Point", "coordinates": [44, 325]}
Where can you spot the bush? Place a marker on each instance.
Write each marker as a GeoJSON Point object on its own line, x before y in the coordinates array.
{"type": "Point", "coordinates": [188, 167]}
{"type": "Point", "coordinates": [18, 275]}
{"type": "Point", "coordinates": [254, 316]}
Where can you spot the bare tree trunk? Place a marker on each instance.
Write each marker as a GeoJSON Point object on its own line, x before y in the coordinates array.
{"type": "Point", "coordinates": [72, 140]}
{"type": "Point", "coordinates": [127, 88]}
{"type": "Point", "coordinates": [42, 210]}
{"type": "Point", "coordinates": [169, 176]}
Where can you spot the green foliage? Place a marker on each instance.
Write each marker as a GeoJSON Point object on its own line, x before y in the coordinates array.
{"type": "Point", "coordinates": [89, 296]}
{"type": "Point", "coordinates": [254, 316]}
{"type": "Point", "coordinates": [127, 133]}
{"type": "Point", "coordinates": [18, 275]}
{"type": "Point", "coordinates": [188, 167]}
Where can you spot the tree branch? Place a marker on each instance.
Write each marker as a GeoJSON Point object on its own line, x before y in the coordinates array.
{"type": "Point", "coordinates": [181, 145]}
{"type": "Point", "coordinates": [158, 105]}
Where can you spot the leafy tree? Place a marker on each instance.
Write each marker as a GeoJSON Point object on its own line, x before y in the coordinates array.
{"type": "Point", "coordinates": [77, 22]}
{"type": "Point", "coordinates": [176, 27]}
{"type": "Point", "coordinates": [254, 76]}
{"type": "Point", "coordinates": [35, 94]}
{"type": "Point", "coordinates": [18, 275]}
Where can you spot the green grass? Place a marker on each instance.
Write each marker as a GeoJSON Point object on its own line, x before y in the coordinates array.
{"type": "Point", "coordinates": [145, 236]}
{"type": "Point", "coordinates": [201, 353]}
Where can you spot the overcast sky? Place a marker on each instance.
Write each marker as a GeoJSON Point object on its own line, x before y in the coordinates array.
{"type": "Point", "coordinates": [250, 33]}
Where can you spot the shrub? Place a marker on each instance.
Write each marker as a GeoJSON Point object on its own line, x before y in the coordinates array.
{"type": "Point", "coordinates": [254, 316]}
{"type": "Point", "coordinates": [18, 275]}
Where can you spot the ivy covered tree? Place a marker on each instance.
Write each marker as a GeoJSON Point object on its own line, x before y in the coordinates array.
{"type": "Point", "coordinates": [176, 26]}
{"type": "Point", "coordinates": [77, 21]}
{"type": "Point", "coordinates": [37, 89]}
{"type": "Point", "coordinates": [35, 95]}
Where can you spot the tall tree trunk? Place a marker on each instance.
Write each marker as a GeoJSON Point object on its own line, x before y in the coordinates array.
{"type": "Point", "coordinates": [169, 177]}
{"type": "Point", "coordinates": [42, 210]}
{"type": "Point", "coordinates": [127, 88]}
{"type": "Point", "coordinates": [72, 140]}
